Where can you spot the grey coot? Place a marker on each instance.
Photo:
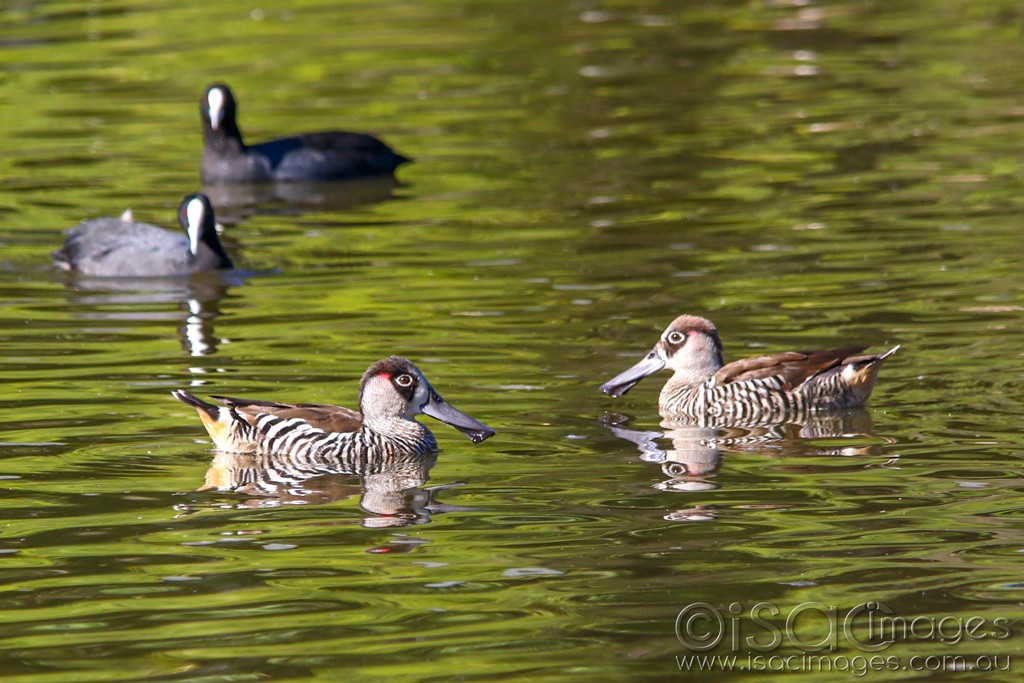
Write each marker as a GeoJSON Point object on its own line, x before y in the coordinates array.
{"type": "Point", "coordinates": [120, 247]}
{"type": "Point", "coordinates": [331, 155]}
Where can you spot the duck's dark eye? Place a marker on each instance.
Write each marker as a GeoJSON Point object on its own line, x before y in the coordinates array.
{"type": "Point", "coordinates": [404, 380]}
{"type": "Point", "coordinates": [676, 337]}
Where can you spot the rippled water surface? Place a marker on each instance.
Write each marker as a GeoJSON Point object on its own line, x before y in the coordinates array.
{"type": "Point", "coordinates": [804, 174]}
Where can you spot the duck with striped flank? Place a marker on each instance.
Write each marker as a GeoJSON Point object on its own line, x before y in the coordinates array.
{"type": "Point", "coordinates": [763, 388]}
{"type": "Point", "coordinates": [392, 393]}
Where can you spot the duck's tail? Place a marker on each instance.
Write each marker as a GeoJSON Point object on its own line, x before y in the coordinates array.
{"type": "Point", "coordinates": [216, 419]}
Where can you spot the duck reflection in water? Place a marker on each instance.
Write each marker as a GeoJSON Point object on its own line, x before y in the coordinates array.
{"type": "Point", "coordinates": [390, 488]}
{"type": "Point", "coordinates": [695, 456]}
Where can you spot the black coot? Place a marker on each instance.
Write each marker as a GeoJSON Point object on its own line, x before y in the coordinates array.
{"type": "Point", "coordinates": [331, 155]}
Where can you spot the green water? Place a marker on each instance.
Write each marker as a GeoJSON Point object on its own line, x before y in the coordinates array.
{"type": "Point", "coordinates": [803, 174]}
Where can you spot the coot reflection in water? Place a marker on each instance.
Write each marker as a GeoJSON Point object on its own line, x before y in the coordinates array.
{"type": "Point", "coordinates": [237, 201]}
{"type": "Point", "coordinates": [139, 299]}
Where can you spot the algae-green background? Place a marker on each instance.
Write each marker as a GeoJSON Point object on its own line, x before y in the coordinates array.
{"type": "Point", "coordinates": [804, 174]}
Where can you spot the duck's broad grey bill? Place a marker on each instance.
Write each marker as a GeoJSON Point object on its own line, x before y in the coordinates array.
{"type": "Point", "coordinates": [439, 409]}
{"type": "Point", "coordinates": [624, 381]}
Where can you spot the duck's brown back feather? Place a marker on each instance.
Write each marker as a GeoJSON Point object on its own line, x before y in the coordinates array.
{"type": "Point", "coordinates": [794, 367]}
{"type": "Point", "coordinates": [329, 418]}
